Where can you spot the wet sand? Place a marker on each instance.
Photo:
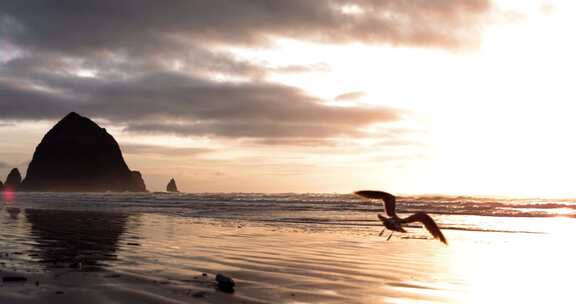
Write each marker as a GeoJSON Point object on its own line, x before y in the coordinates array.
{"type": "Point", "coordinates": [101, 257]}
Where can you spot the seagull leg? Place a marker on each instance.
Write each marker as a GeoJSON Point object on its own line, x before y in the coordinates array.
{"type": "Point", "coordinates": [390, 236]}
{"type": "Point", "coordinates": [382, 232]}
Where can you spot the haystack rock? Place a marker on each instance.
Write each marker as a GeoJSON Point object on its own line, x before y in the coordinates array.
{"type": "Point", "coordinates": [76, 155]}
{"type": "Point", "coordinates": [13, 180]}
{"type": "Point", "coordinates": [171, 187]}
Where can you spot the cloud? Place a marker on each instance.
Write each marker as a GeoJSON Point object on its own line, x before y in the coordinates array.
{"type": "Point", "coordinates": [151, 26]}
{"type": "Point", "coordinates": [179, 104]}
{"type": "Point", "coordinates": [21, 100]}
{"type": "Point", "coordinates": [127, 38]}
{"type": "Point", "coordinates": [349, 96]}
{"type": "Point", "coordinates": [151, 66]}
{"type": "Point", "coordinates": [163, 150]}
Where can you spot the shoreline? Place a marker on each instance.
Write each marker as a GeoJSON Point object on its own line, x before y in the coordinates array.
{"type": "Point", "coordinates": [160, 256]}
{"type": "Point", "coordinates": [76, 286]}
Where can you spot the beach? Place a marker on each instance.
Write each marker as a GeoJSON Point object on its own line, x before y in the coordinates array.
{"type": "Point", "coordinates": [153, 248]}
{"type": "Point", "coordinates": [287, 152]}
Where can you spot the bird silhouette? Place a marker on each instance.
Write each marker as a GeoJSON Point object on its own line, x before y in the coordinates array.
{"type": "Point", "coordinates": [393, 222]}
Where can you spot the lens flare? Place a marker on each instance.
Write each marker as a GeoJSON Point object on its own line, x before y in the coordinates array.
{"type": "Point", "coordinates": [8, 195]}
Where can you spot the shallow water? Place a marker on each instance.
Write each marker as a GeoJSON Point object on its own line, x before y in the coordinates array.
{"type": "Point", "coordinates": [296, 248]}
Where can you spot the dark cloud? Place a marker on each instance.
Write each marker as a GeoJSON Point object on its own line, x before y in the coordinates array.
{"type": "Point", "coordinates": [154, 62]}
{"type": "Point", "coordinates": [126, 38]}
{"type": "Point", "coordinates": [194, 60]}
{"type": "Point", "coordinates": [163, 150]}
{"type": "Point", "coordinates": [249, 129]}
{"type": "Point", "coordinates": [21, 100]}
{"type": "Point", "coordinates": [180, 104]}
{"type": "Point", "coordinates": [147, 25]}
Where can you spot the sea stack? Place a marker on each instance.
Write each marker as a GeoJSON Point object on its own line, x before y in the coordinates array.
{"type": "Point", "coordinates": [171, 187]}
{"type": "Point", "coordinates": [1, 186]}
{"type": "Point", "coordinates": [13, 180]}
{"type": "Point", "coordinates": [137, 181]}
{"type": "Point", "coordinates": [76, 155]}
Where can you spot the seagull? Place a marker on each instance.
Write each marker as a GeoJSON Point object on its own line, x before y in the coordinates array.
{"type": "Point", "coordinates": [394, 223]}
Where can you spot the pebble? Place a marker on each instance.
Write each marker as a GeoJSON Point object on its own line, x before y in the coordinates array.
{"type": "Point", "coordinates": [200, 294]}
{"type": "Point", "coordinates": [224, 283]}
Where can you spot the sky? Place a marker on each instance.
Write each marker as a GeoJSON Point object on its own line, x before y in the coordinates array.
{"type": "Point", "coordinates": [412, 97]}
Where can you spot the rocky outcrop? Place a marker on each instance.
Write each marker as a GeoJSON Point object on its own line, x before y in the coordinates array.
{"type": "Point", "coordinates": [224, 283]}
{"type": "Point", "coordinates": [171, 187]}
{"type": "Point", "coordinates": [137, 180]}
{"type": "Point", "coordinates": [76, 155]}
{"type": "Point", "coordinates": [1, 186]}
{"type": "Point", "coordinates": [13, 180]}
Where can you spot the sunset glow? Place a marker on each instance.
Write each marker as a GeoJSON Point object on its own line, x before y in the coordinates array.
{"type": "Point", "coordinates": [486, 110]}
{"type": "Point", "coordinates": [287, 151]}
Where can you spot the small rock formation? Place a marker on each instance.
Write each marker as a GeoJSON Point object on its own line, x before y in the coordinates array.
{"type": "Point", "coordinates": [224, 283]}
{"type": "Point", "coordinates": [171, 187]}
{"type": "Point", "coordinates": [13, 180]}
{"type": "Point", "coordinates": [137, 180]}
{"type": "Point", "coordinates": [1, 186]}
{"type": "Point", "coordinates": [76, 155]}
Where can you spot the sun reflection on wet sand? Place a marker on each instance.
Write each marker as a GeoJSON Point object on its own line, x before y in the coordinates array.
{"type": "Point", "coordinates": [295, 265]}
{"type": "Point", "coordinates": [504, 268]}
{"type": "Point", "coordinates": [275, 264]}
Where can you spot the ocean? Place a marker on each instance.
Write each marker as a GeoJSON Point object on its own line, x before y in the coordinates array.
{"type": "Point", "coordinates": [334, 212]}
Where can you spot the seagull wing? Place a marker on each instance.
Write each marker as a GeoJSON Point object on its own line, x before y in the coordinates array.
{"type": "Point", "coordinates": [428, 223]}
{"type": "Point", "coordinates": [389, 200]}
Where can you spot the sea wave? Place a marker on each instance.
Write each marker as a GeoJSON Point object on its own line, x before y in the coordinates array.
{"type": "Point", "coordinates": [330, 211]}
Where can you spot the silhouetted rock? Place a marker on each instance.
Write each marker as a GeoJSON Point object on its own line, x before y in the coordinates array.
{"type": "Point", "coordinates": [1, 186]}
{"type": "Point", "coordinates": [224, 283]}
{"type": "Point", "coordinates": [78, 155]}
{"type": "Point", "coordinates": [13, 180]}
{"type": "Point", "coordinates": [171, 187]}
{"type": "Point", "coordinates": [137, 180]}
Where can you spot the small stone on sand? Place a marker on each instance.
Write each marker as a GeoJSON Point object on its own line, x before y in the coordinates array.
{"type": "Point", "coordinates": [200, 294]}
{"type": "Point", "coordinates": [224, 283]}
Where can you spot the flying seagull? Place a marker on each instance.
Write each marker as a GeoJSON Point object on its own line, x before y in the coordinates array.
{"type": "Point", "coordinates": [394, 223]}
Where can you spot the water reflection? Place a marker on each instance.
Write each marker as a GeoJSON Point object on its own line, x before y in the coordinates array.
{"type": "Point", "coordinates": [76, 239]}
{"type": "Point", "coordinates": [530, 268]}
{"type": "Point", "coordinates": [13, 213]}
{"type": "Point", "coordinates": [15, 243]}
